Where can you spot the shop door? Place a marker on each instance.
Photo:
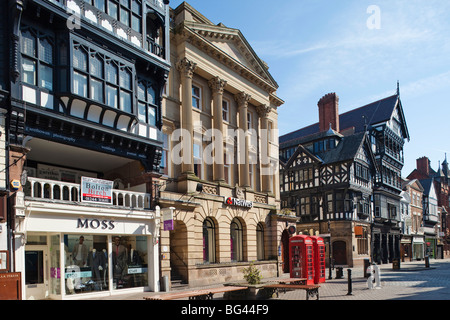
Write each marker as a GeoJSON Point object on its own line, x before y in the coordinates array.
{"type": "Point", "coordinates": [36, 278]}
{"type": "Point", "coordinates": [339, 253]}
{"type": "Point", "coordinates": [285, 251]}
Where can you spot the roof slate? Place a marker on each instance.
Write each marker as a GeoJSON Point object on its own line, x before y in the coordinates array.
{"type": "Point", "coordinates": [375, 113]}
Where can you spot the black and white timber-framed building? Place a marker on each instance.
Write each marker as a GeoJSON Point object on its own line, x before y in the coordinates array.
{"type": "Point", "coordinates": [81, 85]}
{"type": "Point", "coordinates": [342, 177]}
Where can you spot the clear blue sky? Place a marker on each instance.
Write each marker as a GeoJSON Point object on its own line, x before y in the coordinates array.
{"type": "Point", "coordinates": [314, 47]}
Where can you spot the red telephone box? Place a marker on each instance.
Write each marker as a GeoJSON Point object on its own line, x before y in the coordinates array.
{"type": "Point", "coordinates": [319, 259]}
{"type": "Point", "coordinates": [301, 258]}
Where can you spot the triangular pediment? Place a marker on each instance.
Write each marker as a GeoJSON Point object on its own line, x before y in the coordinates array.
{"type": "Point", "coordinates": [230, 47]}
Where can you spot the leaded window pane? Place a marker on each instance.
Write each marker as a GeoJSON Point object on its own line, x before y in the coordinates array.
{"type": "Point", "coordinates": [96, 90]}
{"type": "Point", "coordinates": [111, 73]}
{"type": "Point", "coordinates": [29, 71]}
{"type": "Point", "coordinates": [80, 59]}
{"type": "Point", "coordinates": [151, 116]}
{"type": "Point", "coordinates": [112, 9]}
{"type": "Point", "coordinates": [46, 77]}
{"type": "Point", "coordinates": [111, 96]}
{"type": "Point", "coordinates": [124, 17]}
{"type": "Point", "coordinates": [125, 101]}
{"type": "Point", "coordinates": [96, 66]}
{"type": "Point", "coordinates": [45, 51]}
{"type": "Point", "coordinates": [125, 79]}
{"type": "Point", "coordinates": [80, 84]}
{"type": "Point", "coordinates": [28, 43]}
{"type": "Point", "coordinates": [141, 112]}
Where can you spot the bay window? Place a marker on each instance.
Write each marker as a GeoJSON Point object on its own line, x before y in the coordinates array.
{"type": "Point", "coordinates": [101, 78]}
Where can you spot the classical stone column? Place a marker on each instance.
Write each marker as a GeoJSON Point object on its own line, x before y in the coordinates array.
{"type": "Point", "coordinates": [242, 100]}
{"type": "Point", "coordinates": [217, 86]}
{"type": "Point", "coordinates": [187, 68]}
{"type": "Point", "coordinates": [263, 113]}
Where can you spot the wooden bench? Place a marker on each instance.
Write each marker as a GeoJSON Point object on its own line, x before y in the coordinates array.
{"type": "Point", "coordinates": [311, 290]}
{"type": "Point", "coordinates": [200, 294]}
{"type": "Point", "coordinates": [288, 280]}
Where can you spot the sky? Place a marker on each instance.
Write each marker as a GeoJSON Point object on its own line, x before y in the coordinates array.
{"type": "Point", "coordinates": [358, 49]}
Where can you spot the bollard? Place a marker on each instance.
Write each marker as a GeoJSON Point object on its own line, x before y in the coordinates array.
{"type": "Point", "coordinates": [349, 293]}
{"type": "Point", "coordinates": [427, 261]}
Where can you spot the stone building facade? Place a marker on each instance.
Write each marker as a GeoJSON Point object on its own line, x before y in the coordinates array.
{"type": "Point", "coordinates": [220, 155]}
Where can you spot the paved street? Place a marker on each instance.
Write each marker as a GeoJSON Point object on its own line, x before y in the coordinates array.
{"type": "Point", "coordinates": [412, 282]}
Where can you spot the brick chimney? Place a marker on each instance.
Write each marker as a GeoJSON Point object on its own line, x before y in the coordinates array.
{"type": "Point", "coordinates": [329, 112]}
{"type": "Point", "coordinates": [423, 166]}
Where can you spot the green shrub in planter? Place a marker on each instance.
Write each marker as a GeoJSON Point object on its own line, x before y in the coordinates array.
{"type": "Point", "coordinates": [252, 275]}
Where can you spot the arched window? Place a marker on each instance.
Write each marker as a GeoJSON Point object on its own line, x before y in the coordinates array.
{"type": "Point", "coordinates": [260, 241]}
{"type": "Point", "coordinates": [209, 243]}
{"type": "Point", "coordinates": [236, 240]}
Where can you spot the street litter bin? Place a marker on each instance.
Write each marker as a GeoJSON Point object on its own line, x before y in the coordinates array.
{"type": "Point", "coordinates": [165, 284]}
{"type": "Point", "coordinates": [339, 272]}
{"type": "Point", "coordinates": [396, 264]}
{"type": "Point", "coordinates": [366, 265]}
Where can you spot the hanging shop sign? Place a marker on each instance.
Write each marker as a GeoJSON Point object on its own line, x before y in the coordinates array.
{"type": "Point", "coordinates": [238, 202]}
{"type": "Point", "coordinates": [167, 214]}
{"type": "Point", "coordinates": [96, 190]}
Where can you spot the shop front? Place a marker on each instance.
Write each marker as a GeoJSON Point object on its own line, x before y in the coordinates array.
{"type": "Point", "coordinates": [76, 251]}
{"type": "Point", "coordinates": [418, 247]}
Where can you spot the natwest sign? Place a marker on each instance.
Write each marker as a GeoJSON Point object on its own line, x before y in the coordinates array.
{"type": "Point", "coordinates": [238, 202]}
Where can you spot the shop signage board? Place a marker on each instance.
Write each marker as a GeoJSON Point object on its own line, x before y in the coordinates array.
{"type": "Point", "coordinates": [96, 190]}
{"type": "Point", "coordinates": [238, 202]}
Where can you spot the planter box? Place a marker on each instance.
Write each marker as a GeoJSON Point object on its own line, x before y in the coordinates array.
{"type": "Point", "coordinates": [254, 292]}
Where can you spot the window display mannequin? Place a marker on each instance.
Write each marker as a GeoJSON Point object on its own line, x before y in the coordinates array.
{"type": "Point", "coordinates": [133, 258]}
{"type": "Point", "coordinates": [119, 257]}
{"type": "Point", "coordinates": [97, 263]}
{"type": "Point", "coordinates": [80, 253]}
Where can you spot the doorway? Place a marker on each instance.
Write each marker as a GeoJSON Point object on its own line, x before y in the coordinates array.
{"type": "Point", "coordinates": [340, 253]}
{"type": "Point", "coordinates": [36, 272]}
{"type": "Point", "coordinates": [285, 251]}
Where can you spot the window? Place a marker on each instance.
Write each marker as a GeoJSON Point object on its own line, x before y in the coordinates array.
{"type": "Point", "coordinates": [362, 241]}
{"type": "Point", "coordinates": [165, 154]}
{"type": "Point", "coordinates": [146, 102]}
{"type": "Point", "coordinates": [198, 160]}
{"type": "Point", "coordinates": [329, 198]}
{"type": "Point", "coordinates": [37, 58]}
{"type": "Point", "coordinates": [236, 240]}
{"type": "Point", "coordinates": [196, 97]}
{"type": "Point", "coordinates": [249, 120]}
{"type": "Point", "coordinates": [98, 77]}
{"type": "Point", "coordinates": [251, 176]}
{"type": "Point", "coordinates": [339, 202]}
{"type": "Point", "coordinates": [304, 206]}
{"type": "Point", "coordinates": [127, 12]}
{"type": "Point", "coordinates": [226, 167]}
{"type": "Point", "coordinates": [209, 243]}
{"type": "Point", "coordinates": [270, 131]}
{"type": "Point", "coordinates": [225, 111]}
{"type": "Point", "coordinates": [260, 242]}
